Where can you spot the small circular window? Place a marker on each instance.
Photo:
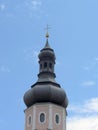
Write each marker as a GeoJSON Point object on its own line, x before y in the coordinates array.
{"type": "Point", "coordinates": [42, 117]}
{"type": "Point", "coordinates": [57, 119]}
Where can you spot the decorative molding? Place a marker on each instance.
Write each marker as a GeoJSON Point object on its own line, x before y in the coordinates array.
{"type": "Point", "coordinates": [34, 118]}
{"type": "Point", "coordinates": [50, 125]}
{"type": "Point", "coordinates": [64, 120]}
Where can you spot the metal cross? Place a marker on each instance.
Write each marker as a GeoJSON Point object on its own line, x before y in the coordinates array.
{"type": "Point", "coordinates": [47, 28]}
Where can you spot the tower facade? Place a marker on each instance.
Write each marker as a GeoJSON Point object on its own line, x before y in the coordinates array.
{"type": "Point", "coordinates": [46, 101]}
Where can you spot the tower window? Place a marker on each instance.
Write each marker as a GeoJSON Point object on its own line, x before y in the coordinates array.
{"type": "Point", "coordinates": [45, 65]}
{"type": "Point", "coordinates": [50, 65]}
{"type": "Point", "coordinates": [57, 119]}
{"type": "Point", "coordinates": [29, 120]}
{"type": "Point", "coordinates": [40, 66]}
{"type": "Point", "coordinates": [42, 117]}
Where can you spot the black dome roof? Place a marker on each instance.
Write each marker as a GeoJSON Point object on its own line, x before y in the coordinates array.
{"type": "Point", "coordinates": [46, 92]}
{"type": "Point", "coordinates": [46, 89]}
{"type": "Point", "coordinates": [47, 51]}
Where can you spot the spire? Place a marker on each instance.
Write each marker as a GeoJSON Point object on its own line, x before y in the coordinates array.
{"type": "Point", "coordinates": [47, 37]}
{"type": "Point", "coordinates": [46, 89]}
{"type": "Point", "coordinates": [47, 44]}
{"type": "Point", "coordinates": [46, 62]}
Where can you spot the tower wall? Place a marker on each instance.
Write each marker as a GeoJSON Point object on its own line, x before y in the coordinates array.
{"type": "Point", "coordinates": [53, 117]}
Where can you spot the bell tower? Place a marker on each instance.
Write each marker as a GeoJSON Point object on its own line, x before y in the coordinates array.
{"type": "Point", "coordinates": [46, 101]}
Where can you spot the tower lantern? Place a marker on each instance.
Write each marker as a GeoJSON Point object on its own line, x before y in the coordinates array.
{"type": "Point", "coordinates": [46, 101]}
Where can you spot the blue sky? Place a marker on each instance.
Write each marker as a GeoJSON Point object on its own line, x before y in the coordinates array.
{"type": "Point", "coordinates": [74, 38]}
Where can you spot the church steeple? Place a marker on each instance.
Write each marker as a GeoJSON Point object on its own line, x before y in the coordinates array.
{"type": "Point", "coordinates": [46, 62]}
{"type": "Point", "coordinates": [46, 89]}
{"type": "Point", "coordinates": [46, 101]}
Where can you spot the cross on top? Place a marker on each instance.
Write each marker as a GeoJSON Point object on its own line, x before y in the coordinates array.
{"type": "Point", "coordinates": [47, 28]}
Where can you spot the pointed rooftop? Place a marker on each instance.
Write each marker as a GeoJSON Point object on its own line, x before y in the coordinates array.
{"type": "Point", "coordinates": [47, 44]}
{"type": "Point", "coordinates": [46, 89]}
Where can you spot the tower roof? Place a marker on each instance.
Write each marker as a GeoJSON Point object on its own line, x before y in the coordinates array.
{"type": "Point", "coordinates": [46, 89]}
{"type": "Point", "coordinates": [47, 44]}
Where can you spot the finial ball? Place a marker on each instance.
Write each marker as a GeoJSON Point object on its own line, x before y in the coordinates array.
{"type": "Point", "coordinates": [47, 35]}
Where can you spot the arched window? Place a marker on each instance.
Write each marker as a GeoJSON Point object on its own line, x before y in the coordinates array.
{"type": "Point", "coordinates": [29, 120]}
{"type": "Point", "coordinates": [50, 65]}
{"type": "Point", "coordinates": [40, 66]}
{"type": "Point", "coordinates": [42, 117]}
{"type": "Point", "coordinates": [45, 65]}
{"type": "Point", "coordinates": [57, 119]}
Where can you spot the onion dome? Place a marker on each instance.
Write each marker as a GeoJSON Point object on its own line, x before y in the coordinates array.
{"type": "Point", "coordinates": [46, 89]}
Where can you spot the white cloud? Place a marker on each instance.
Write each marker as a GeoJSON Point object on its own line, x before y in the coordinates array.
{"type": "Point", "coordinates": [88, 83]}
{"type": "Point", "coordinates": [4, 69]}
{"type": "Point", "coordinates": [81, 123]}
{"type": "Point", "coordinates": [2, 7]}
{"type": "Point", "coordinates": [36, 8]}
{"type": "Point", "coordinates": [33, 4]}
{"type": "Point", "coordinates": [92, 105]}
{"type": "Point", "coordinates": [88, 107]}
{"type": "Point", "coordinates": [85, 116]}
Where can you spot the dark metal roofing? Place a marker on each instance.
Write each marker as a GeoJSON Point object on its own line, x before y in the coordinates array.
{"type": "Point", "coordinates": [46, 89]}
{"type": "Point", "coordinates": [46, 93]}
